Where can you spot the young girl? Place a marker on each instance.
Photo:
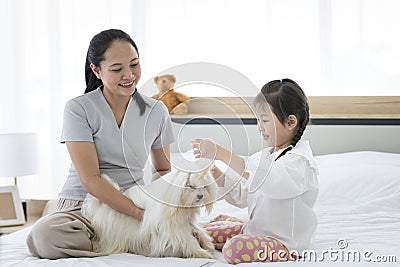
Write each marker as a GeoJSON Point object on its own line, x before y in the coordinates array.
{"type": "Point", "coordinates": [278, 184]}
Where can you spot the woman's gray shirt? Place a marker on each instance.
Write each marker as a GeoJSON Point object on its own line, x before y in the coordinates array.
{"type": "Point", "coordinates": [122, 151]}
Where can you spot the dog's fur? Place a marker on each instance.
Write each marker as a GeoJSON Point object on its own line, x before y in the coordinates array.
{"type": "Point", "coordinates": [169, 227]}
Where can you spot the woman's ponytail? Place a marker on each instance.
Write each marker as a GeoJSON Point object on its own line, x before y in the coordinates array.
{"type": "Point", "coordinates": [92, 82]}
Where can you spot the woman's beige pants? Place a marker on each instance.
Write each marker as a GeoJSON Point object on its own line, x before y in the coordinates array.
{"type": "Point", "coordinates": [63, 234]}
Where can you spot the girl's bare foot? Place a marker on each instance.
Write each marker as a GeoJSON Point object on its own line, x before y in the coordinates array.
{"type": "Point", "coordinates": [218, 246]}
{"type": "Point", "coordinates": [223, 217]}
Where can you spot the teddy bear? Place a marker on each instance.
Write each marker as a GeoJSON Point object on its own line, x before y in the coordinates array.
{"type": "Point", "coordinates": [174, 101]}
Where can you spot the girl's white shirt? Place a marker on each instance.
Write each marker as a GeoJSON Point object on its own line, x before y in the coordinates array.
{"type": "Point", "coordinates": [280, 195]}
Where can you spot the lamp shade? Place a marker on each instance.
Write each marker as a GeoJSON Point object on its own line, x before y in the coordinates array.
{"type": "Point", "coordinates": [18, 154]}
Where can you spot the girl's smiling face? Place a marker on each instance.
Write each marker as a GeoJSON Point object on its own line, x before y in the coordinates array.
{"type": "Point", "coordinates": [275, 133]}
{"type": "Point", "coordinates": [120, 70]}
{"type": "Point", "coordinates": [266, 127]}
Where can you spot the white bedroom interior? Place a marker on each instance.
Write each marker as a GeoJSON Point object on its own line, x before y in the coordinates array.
{"type": "Point", "coordinates": [337, 50]}
{"type": "Point", "coordinates": [332, 48]}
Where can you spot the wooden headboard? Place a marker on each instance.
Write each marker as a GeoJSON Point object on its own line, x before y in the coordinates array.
{"type": "Point", "coordinates": [338, 124]}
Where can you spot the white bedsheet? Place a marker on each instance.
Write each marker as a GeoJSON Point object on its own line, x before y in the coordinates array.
{"type": "Point", "coordinates": [358, 205]}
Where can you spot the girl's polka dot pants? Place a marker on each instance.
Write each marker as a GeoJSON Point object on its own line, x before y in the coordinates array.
{"type": "Point", "coordinates": [241, 248]}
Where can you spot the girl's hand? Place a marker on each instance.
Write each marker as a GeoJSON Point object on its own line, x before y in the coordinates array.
{"type": "Point", "coordinates": [204, 148]}
{"type": "Point", "coordinates": [218, 175]}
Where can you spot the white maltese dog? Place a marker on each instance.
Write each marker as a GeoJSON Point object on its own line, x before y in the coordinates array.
{"type": "Point", "coordinates": [169, 227]}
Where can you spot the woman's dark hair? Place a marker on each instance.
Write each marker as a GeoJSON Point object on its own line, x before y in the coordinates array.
{"type": "Point", "coordinates": [95, 54]}
{"type": "Point", "coordinates": [285, 97]}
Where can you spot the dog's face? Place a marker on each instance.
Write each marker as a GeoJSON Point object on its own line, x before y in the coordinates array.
{"type": "Point", "coordinates": [192, 190]}
{"type": "Point", "coordinates": [200, 189]}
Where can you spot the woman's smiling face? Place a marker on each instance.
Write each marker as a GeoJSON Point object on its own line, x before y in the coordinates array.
{"type": "Point", "coordinates": [120, 70]}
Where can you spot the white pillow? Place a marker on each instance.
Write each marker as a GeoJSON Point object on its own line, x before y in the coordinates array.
{"type": "Point", "coordinates": [360, 177]}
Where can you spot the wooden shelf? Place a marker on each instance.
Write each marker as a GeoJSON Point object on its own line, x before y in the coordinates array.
{"type": "Point", "coordinates": [355, 107]}
{"type": "Point", "coordinates": [321, 107]}
{"type": "Point", "coordinates": [215, 115]}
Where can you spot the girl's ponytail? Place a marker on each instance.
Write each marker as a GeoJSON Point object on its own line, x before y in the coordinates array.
{"type": "Point", "coordinates": [302, 125]}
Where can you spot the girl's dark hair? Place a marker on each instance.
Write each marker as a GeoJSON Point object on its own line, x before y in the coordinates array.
{"type": "Point", "coordinates": [95, 54]}
{"type": "Point", "coordinates": [285, 97]}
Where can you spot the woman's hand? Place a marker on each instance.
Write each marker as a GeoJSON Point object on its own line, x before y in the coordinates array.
{"type": "Point", "coordinates": [84, 157]}
{"type": "Point", "coordinates": [138, 213]}
{"type": "Point", "coordinates": [205, 148]}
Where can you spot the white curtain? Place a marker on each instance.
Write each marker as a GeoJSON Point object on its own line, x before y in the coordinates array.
{"type": "Point", "coordinates": [331, 47]}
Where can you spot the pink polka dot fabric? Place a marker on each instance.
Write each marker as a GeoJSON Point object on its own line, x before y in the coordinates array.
{"type": "Point", "coordinates": [250, 248]}
{"type": "Point", "coordinates": [240, 248]}
{"type": "Point", "coordinates": [220, 231]}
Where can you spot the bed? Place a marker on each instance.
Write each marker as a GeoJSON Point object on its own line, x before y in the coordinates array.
{"type": "Point", "coordinates": [358, 210]}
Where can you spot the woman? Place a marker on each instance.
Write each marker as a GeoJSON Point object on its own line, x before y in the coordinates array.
{"type": "Point", "coordinates": [110, 129]}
